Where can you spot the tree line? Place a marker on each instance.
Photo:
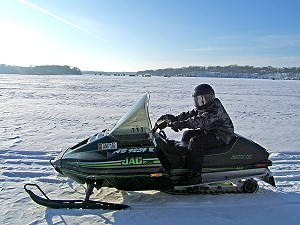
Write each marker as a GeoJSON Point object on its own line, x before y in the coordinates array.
{"type": "Point", "coordinates": [40, 70]}
{"type": "Point", "coordinates": [231, 71]}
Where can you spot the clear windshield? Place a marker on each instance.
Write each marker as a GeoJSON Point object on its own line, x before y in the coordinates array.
{"type": "Point", "coordinates": [136, 122]}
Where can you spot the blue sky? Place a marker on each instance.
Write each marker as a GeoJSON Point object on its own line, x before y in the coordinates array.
{"type": "Point", "coordinates": [133, 35]}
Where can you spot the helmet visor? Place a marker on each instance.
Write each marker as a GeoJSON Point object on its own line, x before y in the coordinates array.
{"type": "Point", "coordinates": [201, 100]}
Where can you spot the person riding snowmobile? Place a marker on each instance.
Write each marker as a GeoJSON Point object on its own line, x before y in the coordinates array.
{"type": "Point", "coordinates": [209, 126]}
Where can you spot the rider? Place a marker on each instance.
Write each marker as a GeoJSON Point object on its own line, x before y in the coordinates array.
{"type": "Point", "coordinates": [209, 124]}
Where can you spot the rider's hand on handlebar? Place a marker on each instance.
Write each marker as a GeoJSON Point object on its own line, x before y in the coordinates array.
{"type": "Point", "coordinates": [162, 124]}
{"type": "Point", "coordinates": [178, 125]}
{"type": "Point", "coordinates": [175, 126]}
{"type": "Point", "coordinates": [167, 117]}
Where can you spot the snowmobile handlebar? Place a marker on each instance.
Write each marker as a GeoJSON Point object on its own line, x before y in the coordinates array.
{"type": "Point", "coordinates": [161, 124]}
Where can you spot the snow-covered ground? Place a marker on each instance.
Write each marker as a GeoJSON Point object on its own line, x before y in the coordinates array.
{"type": "Point", "coordinates": [41, 115]}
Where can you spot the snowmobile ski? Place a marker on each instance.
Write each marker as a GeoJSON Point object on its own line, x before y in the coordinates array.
{"type": "Point", "coordinates": [71, 204]}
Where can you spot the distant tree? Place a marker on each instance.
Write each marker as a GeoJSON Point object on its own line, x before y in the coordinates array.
{"type": "Point", "coordinates": [40, 70]}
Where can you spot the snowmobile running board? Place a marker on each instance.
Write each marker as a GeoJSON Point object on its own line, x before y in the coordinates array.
{"type": "Point", "coordinates": [71, 204]}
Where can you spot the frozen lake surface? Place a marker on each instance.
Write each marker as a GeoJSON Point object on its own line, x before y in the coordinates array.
{"type": "Point", "coordinates": [40, 115]}
{"type": "Point", "coordinates": [51, 112]}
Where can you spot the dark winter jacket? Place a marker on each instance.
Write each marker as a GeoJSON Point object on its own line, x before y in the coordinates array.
{"type": "Point", "coordinates": [213, 119]}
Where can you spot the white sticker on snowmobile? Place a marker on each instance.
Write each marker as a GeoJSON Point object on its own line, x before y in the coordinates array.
{"type": "Point", "coordinates": [105, 146]}
{"type": "Point", "coordinates": [241, 157]}
{"type": "Point", "coordinates": [133, 150]}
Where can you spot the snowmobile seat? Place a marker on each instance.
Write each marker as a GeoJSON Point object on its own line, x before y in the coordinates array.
{"type": "Point", "coordinates": [183, 146]}
{"type": "Point", "coordinates": [222, 149]}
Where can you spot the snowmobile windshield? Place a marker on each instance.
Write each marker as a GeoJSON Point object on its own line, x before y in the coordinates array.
{"type": "Point", "coordinates": [135, 124]}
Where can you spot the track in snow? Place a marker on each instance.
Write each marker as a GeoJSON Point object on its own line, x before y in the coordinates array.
{"type": "Point", "coordinates": [20, 167]}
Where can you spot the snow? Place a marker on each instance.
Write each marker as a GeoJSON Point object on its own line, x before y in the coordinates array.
{"type": "Point", "coordinates": [41, 115]}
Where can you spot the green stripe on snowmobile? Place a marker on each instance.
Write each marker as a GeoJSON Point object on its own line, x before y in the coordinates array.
{"type": "Point", "coordinates": [126, 162]}
{"type": "Point", "coordinates": [154, 161]}
{"type": "Point", "coordinates": [101, 165]}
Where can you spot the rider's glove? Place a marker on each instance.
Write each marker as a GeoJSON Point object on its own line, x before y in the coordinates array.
{"type": "Point", "coordinates": [167, 117]}
{"type": "Point", "coordinates": [162, 124]}
{"type": "Point", "coordinates": [178, 125]}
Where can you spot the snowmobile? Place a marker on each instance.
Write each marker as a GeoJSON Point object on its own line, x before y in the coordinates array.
{"type": "Point", "coordinates": [133, 156]}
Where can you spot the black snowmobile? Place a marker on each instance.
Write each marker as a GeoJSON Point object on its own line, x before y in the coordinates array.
{"type": "Point", "coordinates": [134, 156]}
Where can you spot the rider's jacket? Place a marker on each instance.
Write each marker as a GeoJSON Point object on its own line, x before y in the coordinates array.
{"type": "Point", "coordinates": [213, 119]}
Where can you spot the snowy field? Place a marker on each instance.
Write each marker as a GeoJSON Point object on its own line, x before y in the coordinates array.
{"type": "Point", "coordinates": [41, 115]}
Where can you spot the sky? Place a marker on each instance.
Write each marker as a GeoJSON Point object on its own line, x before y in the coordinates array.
{"type": "Point", "coordinates": [134, 35]}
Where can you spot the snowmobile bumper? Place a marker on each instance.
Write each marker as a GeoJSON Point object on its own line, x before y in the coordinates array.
{"type": "Point", "coordinates": [56, 162]}
{"type": "Point", "coordinates": [268, 179]}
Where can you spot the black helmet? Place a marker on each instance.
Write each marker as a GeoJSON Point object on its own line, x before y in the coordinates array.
{"type": "Point", "coordinates": [203, 95]}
